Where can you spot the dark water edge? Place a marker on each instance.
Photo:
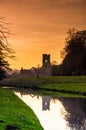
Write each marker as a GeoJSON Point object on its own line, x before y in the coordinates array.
{"type": "Point", "coordinates": [47, 91]}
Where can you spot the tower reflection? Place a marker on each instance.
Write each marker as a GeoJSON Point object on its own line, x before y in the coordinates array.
{"type": "Point", "coordinates": [45, 103]}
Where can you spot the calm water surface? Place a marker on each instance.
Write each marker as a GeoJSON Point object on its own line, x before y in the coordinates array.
{"type": "Point", "coordinates": [56, 113]}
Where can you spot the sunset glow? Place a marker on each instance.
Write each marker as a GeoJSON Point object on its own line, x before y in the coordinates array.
{"type": "Point", "coordinates": [40, 26]}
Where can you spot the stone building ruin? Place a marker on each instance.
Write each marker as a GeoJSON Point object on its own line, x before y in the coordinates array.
{"type": "Point", "coordinates": [44, 70]}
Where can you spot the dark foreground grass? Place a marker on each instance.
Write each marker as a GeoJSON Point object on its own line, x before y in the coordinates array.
{"type": "Point", "coordinates": [16, 115]}
{"type": "Point", "coordinates": [75, 85]}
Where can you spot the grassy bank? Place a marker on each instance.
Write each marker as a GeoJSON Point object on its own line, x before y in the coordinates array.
{"type": "Point", "coordinates": [62, 84]}
{"type": "Point", "coordinates": [14, 114]}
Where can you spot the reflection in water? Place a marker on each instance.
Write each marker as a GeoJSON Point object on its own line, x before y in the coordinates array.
{"type": "Point", "coordinates": [45, 103]}
{"type": "Point", "coordinates": [76, 113]}
{"type": "Point", "coordinates": [57, 113]}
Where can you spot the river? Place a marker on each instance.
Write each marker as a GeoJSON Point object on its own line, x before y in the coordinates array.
{"type": "Point", "coordinates": [56, 113]}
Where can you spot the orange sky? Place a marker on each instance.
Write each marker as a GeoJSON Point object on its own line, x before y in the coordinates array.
{"type": "Point", "coordinates": [40, 27]}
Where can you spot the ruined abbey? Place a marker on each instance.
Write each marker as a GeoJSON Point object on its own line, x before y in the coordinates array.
{"type": "Point", "coordinates": [44, 70]}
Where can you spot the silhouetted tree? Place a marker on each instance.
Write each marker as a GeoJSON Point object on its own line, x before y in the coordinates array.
{"type": "Point", "coordinates": [74, 52]}
{"type": "Point", "coordinates": [5, 51]}
{"type": "Point", "coordinates": [54, 68]}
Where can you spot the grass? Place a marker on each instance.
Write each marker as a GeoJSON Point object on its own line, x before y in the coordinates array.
{"type": "Point", "coordinates": [75, 85]}
{"type": "Point", "coordinates": [16, 114]}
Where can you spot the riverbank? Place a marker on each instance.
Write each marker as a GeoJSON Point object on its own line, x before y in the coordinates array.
{"type": "Point", "coordinates": [15, 114]}
{"type": "Point", "coordinates": [68, 85]}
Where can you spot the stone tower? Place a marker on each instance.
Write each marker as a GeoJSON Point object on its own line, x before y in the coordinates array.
{"type": "Point", "coordinates": [46, 60]}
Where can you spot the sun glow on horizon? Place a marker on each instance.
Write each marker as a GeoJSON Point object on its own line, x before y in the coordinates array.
{"type": "Point", "coordinates": [40, 27]}
{"type": "Point", "coordinates": [30, 56]}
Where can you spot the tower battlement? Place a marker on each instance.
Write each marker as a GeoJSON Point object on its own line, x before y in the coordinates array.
{"type": "Point", "coordinates": [46, 60]}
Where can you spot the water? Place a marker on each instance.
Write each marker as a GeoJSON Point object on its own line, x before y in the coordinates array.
{"type": "Point", "coordinates": [56, 113]}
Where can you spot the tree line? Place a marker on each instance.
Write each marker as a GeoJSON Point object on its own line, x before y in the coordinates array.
{"type": "Point", "coordinates": [73, 54]}
{"type": "Point", "coordinates": [6, 51]}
